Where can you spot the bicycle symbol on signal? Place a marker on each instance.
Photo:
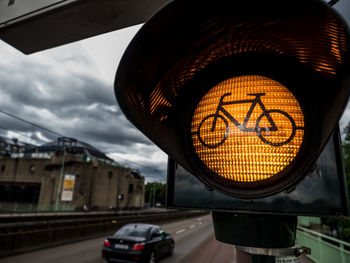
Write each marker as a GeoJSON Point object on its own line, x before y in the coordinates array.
{"type": "Point", "coordinates": [221, 113]}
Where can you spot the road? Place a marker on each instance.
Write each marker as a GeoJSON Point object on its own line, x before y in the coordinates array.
{"type": "Point", "coordinates": [194, 242]}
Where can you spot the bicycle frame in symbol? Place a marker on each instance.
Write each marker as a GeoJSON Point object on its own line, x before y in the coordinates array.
{"type": "Point", "coordinates": [221, 113]}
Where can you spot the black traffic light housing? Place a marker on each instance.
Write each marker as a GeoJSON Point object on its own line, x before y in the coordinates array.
{"type": "Point", "coordinates": [322, 192]}
{"type": "Point", "coordinates": [294, 75]}
{"type": "Point", "coordinates": [189, 46]}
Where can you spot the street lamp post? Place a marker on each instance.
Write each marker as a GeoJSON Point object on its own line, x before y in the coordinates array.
{"type": "Point", "coordinates": [60, 182]}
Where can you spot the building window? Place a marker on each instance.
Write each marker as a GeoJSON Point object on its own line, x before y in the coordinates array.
{"type": "Point", "coordinates": [15, 192]}
{"type": "Point", "coordinates": [110, 174]}
{"type": "Point", "coordinates": [3, 168]}
{"type": "Point", "coordinates": [131, 188]}
{"type": "Point", "coordinates": [32, 169]}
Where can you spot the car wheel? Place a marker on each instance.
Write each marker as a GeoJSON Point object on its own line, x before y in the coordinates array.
{"type": "Point", "coordinates": [152, 257]}
{"type": "Point", "coordinates": [171, 248]}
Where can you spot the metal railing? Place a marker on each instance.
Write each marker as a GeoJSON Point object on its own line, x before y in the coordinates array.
{"type": "Point", "coordinates": [324, 249]}
{"type": "Point", "coordinates": [307, 221]}
{"type": "Point", "coordinates": [31, 208]}
{"type": "Point", "coordinates": [18, 236]}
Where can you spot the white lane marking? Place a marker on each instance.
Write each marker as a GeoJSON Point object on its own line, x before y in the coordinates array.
{"type": "Point", "coordinates": [192, 226]}
{"type": "Point", "coordinates": [180, 231]}
{"type": "Point", "coordinates": [200, 223]}
{"type": "Point", "coordinates": [199, 219]}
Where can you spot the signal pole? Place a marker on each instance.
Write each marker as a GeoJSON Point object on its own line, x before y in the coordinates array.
{"type": "Point", "coordinates": [60, 182]}
{"type": "Point", "coordinates": [154, 195]}
{"type": "Point", "coordinates": [258, 238]}
{"type": "Point", "coordinates": [243, 257]}
{"type": "Point", "coordinates": [150, 198]}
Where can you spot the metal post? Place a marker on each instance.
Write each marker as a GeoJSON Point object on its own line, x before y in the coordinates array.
{"type": "Point", "coordinates": [150, 198]}
{"type": "Point", "coordinates": [319, 241]}
{"type": "Point", "coordinates": [342, 253]}
{"type": "Point", "coordinates": [243, 257]}
{"type": "Point", "coordinates": [118, 190]}
{"type": "Point", "coordinates": [154, 195]}
{"type": "Point", "coordinates": [59, 189]}
{"type": "Point", "coordinates": [258, 238]}
{"type": "Point", "coordinates": [263, 259]}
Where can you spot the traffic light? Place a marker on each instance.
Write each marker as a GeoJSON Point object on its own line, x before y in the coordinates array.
{"type": "Point", "coordinates": [242, 94]}
{"type": "Point", "coordinates": [322, 192]}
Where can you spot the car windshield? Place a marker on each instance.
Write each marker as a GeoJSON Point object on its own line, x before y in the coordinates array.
{"type": "Point", "coordinates": [133, 231]}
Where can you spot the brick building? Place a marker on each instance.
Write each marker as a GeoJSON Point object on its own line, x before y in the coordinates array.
{"type": "Point", "coordinates": [87, 178]}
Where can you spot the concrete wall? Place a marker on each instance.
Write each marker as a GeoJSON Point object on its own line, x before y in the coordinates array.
{"type": "Point", "coordinates": [97, 184]}
{"type": "Point", "coordinates": [21, 170]}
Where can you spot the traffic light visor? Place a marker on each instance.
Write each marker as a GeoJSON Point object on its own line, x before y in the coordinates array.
{"type": "Point", "coordinates": [242, 94]}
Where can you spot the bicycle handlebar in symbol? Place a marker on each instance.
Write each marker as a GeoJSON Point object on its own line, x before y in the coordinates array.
{"type": "Point", "coordinates": [221, 113]}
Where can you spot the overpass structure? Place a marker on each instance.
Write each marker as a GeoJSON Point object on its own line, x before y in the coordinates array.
{"type": "Point", "coordinates": [35, 25]}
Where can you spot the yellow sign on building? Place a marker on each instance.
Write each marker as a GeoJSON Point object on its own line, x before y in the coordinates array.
{"type": "Point", "coordinates": [68, 187]}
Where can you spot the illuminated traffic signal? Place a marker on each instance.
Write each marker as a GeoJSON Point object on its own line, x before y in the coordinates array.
{"type": "Point", "coordinates": [243, 94]}
{"type": "Point", "coordinates": [246, 131]}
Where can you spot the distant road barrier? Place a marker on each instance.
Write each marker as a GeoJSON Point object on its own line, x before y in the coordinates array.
{"type": "Point", "coordinates": [28, 208]}
{"type": "Point", "coordinates": [324, 249]}
{"type": "Point", "coordinates": [25, 236]}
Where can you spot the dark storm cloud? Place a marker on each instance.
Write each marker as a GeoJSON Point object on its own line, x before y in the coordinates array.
{"type": "Point", "coordinates": [154, 173]}
{"type": "Point", "coordinates": [155, 169]}
{"type": "Point", "coordinates": [61, 90]}
{"type": "Point", "coordinates": [343, 8]}
{"type": "Point", "coordinates": [12, 124]}
{"type": "Point", "coordinates": [112, 131]}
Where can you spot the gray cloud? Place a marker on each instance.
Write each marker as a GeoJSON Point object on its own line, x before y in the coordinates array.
{"type": "Point", "coordinates": [343, 8]}
{"type": "Point", "coordinates": [61, 90]}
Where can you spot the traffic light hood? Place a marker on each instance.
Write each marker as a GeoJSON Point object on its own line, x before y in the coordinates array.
{"type": "Point", "coordinates": [189, 47]}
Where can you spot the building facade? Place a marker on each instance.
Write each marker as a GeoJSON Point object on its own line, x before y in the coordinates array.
{"type": "Point", "coordinates": [67, 174]}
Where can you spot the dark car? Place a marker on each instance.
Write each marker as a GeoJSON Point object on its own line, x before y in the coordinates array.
{"type": "Point", "coordinates": [138, 243]}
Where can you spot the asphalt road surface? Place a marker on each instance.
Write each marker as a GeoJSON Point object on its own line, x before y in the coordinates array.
{"type": "Point", "coordinates": [194, 242]}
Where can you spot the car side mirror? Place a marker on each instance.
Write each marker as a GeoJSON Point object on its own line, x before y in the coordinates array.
{"type": "Point", "coordinates": [165, 235]}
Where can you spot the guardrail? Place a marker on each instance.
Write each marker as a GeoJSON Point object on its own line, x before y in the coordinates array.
{"type": "Point", "coordinates": [25, 236]}
{"type": "Point", "coordinates": [307, 221]}
{"type": "Point", "coordinates": [60, 215]}
{"type": "Point", "coordinates": [324, 249]}
{"type": "Point", "coordinates": [28, 208]}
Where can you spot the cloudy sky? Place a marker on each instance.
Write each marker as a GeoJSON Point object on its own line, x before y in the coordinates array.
{"type": "Point", "coordinates": [69, 90]}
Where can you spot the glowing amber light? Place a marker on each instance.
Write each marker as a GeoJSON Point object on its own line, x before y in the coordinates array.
{"type": "Point", "coordinates": [247, 128]}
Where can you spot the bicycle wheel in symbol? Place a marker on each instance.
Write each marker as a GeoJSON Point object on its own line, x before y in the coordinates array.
{"type": "Point", "coordinates": [259, 131]}
{"type": "Point", "coordinates": [212, 138]}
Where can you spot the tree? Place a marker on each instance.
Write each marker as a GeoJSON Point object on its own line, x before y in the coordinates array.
{"type": "Point", "coordinates": [346, 154]}
{"type": "Point", "coordinates": [342, 225]}
{"type": "Point", "coordinates": [155, 193]}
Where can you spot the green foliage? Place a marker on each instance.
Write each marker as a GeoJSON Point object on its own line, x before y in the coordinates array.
{"type": "Point", "coordinates": [332, 223]}
{"type": "Point", "coordinates": [155, 192]}
{"type": "Point", "coordinates": [342, 225]}
{"type": "Point", "coordinates": [346, 154]}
